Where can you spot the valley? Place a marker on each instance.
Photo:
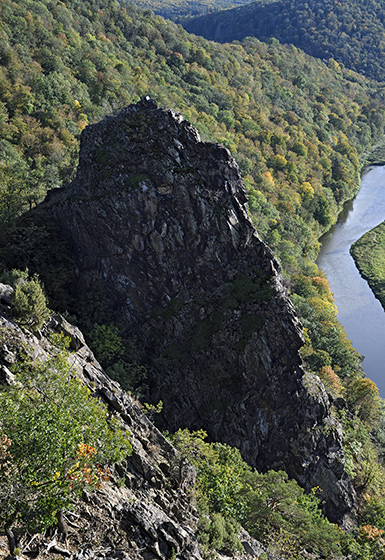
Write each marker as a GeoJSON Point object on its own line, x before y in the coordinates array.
{"type": "Point", "coordinates": [168, 194]}
{"type": "Point", "coordinates": [359, 311]}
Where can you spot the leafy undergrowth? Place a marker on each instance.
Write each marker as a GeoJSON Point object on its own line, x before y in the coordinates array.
{"type": "Point", "coordinates": [55, 441]}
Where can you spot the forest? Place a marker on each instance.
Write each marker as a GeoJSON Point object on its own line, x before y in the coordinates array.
{"type": "Point", "coordinates": [350, 32]}
{"type": "Point", "coordinates": [300, 129]}
{"type": "Point", "coordinates": [181, 10]}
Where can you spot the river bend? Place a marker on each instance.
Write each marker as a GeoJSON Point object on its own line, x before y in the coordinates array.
{"type": "Point", "coordinates": [358, 310]}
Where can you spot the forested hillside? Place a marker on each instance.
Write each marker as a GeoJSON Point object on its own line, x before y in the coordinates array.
{"type": "Point", "coordinates": [298, 128]}
{"type": "Point", "coordinates": [295, 126]}
{"type": "Point", "coordinates": [350, 32]}
{"type": "Point", "coordinates": [179, 10]}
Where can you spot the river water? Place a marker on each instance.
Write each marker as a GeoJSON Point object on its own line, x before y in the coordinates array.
{"type": "Point", "coordinates": [359, 311]}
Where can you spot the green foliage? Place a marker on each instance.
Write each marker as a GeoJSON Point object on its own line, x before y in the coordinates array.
{"type": "Point", "coordinates": [278, 506]}
{"type": "Point", "coordinates": [38, 246]}
{"type": "Point", "coordinates": [363, 398]}
{"type": "Point", "coordinates": [324, 29]}
{"type": "Point", "coordinates": [204, 331]}
{"type": "Point", "coordinates": [296, 126]}
{"type": "Point", "coordinates": [374, 513]}
{"type": "Point", "coordinates": [132, 376]}
{"type": "Point", "coordinates": [180, 10]}
{"type": "Point", "coordinates": [363, 463]}
{"type": "Point", "coordinates": [56, 440]}
{"type": "Point", "coordinates": [366, 544]}
{"type": "Point", "coordinates": [243, 288]}
{"type": "Point", "coordinates": [107, 343]}
{"type": "Point", "coordinates": [219, 533]}
{"type": "Point", "coordinates": [322, 212]}
{"type": "Point", "coordinates": [55, 78]}
{"type": "Point", "coordinates": [369, 255]}
{"type": "Point", "coordinates": [326, 344]}
{"type": "Point", "coordinates": [151, 409]}
{"type": "Point", "coordinates": [119, 357]}
{"type": "Point", "coordinates": [271, 507]}
{"type": "Point", "coordinates": [28, 300]}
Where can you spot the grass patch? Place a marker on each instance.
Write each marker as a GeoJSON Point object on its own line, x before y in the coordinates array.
{"type": "Point", "coordinates": [369, 255]}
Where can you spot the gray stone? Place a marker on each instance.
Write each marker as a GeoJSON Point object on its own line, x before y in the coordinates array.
{"type": "Point", "coordinates": [160, 219]}
{"type": "Point", "coordinates": [6, 294]}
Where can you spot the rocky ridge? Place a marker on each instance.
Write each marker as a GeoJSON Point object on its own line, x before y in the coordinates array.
{"type": "Point", "coordinates": [147, 510]}
{"type": "Point", "coordinates": [159, 218]}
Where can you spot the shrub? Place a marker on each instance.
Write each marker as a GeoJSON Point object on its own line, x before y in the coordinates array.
{"type": "Point", "coordinates": [29, 302]}
{"type": "Point", "coordinates": [55, 441]}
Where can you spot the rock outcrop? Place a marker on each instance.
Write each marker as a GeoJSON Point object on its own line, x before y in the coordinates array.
{"type": "Point", "coordinates": [159, 218]}
{"type": "Point", "coordinates": [147, 510]}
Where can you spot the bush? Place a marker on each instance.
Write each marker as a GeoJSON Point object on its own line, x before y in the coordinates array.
{"type": "Point", "coordinates": [29, 302]}
{"type": "Point", "coordinates": [55, 441]}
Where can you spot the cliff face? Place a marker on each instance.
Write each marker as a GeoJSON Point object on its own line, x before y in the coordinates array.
{"type": "Point", "coordinates": [159, 218]}
{"type": "Point", "coordinates": [147, 509]}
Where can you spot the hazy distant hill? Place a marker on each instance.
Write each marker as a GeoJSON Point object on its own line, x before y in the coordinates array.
{"type": "Point", "coordinates": [351, 32]}
{"type": "Point", "coordinates": [179, 10]}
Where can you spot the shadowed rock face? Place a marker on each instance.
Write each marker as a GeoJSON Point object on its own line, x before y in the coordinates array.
{"type": "Point", "coordinates": [159, 218]}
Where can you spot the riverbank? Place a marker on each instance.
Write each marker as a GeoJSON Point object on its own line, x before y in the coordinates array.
{"type": "Point", "coordinates": [369, 256]}
{"type": "Point", "coordinates": [376, 156]}
{"type": "Point", "coordinates": [359, 311]}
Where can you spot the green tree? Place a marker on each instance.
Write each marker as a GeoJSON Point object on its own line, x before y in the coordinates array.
{"type": "Point", "coordinates": [29, 302]}
{"type": "Point", "coordinates": [363, 398]}
{"type": "Point", "coordinates": [322, 212]}
{"type": "Point", "coordinates": [107, 343]}
{"type": "Point", "coordinates": [280, 512]}
{"type": "Point", "coordinates": [55, 441]}
{"type": "Point", "coordinates": [269, 505]}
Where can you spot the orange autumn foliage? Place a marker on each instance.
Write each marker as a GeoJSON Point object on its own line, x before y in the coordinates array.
{"type": "Point", "coordinates": [331, 380]}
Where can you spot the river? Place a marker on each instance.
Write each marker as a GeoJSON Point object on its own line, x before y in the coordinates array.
{"type": "Point", "coordinates": [359, 311]}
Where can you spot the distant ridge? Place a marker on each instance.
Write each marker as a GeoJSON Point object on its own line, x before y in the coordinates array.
{"type": "Point", "coordinates": [179, 10]}
{"type": "Point", "coordinates": [350, 32]}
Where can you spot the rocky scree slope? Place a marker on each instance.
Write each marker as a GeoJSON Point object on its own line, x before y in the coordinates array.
{"type": "Point", "coordinates": [147, 510]}
{"type": "Point", "coordinates": [153, 511]}
{"type": "Point", "coordinates": [159, 218]}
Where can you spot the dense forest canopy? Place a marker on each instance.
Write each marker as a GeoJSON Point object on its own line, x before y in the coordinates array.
{"type": "Point", "coordinates": [298, 127]}
{"type": "Point", "coordinates": [179, 10]}
{"type": "Point", "coordinates": [351, 32]}
{"type": "Point", "coordinates": [295, 125]}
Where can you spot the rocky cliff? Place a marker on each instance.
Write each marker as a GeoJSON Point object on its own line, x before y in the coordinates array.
{"type": "Point", "coordinates": [159, 218]}
{"type": "Point", "coordinates": [147, 510]}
